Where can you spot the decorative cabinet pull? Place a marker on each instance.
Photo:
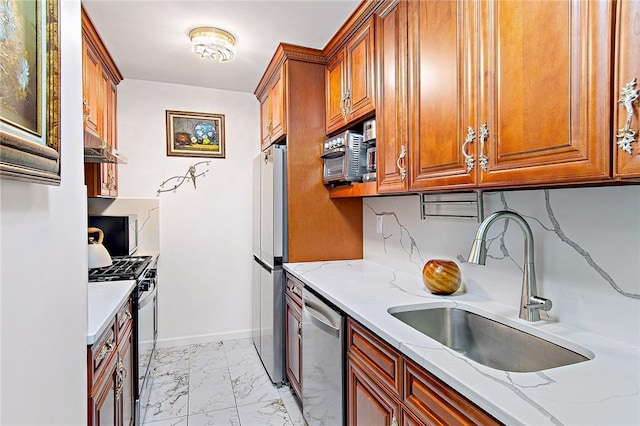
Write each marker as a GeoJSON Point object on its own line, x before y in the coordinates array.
{"type": "Point", "coordinates": [106, 349]}
{"type": "Point", "coordinates": [270, 128]}
{"type": "Point", "coordinates": [125, 316]}
{"type": "Point", "coordinates": [483, 159]}
{"type": "Point", "coordinates": [299, 331]}
{"type": "Point", "coordinates": [627, 135]}
{"type": "Point", "coordinates": [469, 160]}
{"type": "Point", "coordinates": [121, 375]}
{"type": "Point", "coordinates": [403, 171]}
{"type": "Point", "coordinates": [86, 113]}
{"type": "Point", "coordinates": [394, 421]}
{"type": "Point", "coordinates": [343, 106]}
{"type": "Point", "coordinates": [348, 102]}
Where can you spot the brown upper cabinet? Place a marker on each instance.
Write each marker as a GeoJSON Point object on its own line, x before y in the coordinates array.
{"type": "Point", "coordinates": [478, 94]}
{"type": "Point", "coordinates": [627, 82]}
{"type": "Point", "coordinates": [100, 79]}
{"type": "Point", "coordinates": [334, 227]}
{"type": "Point", "coordinates": [349, 80]}
{"type": "Point", "coordinates": [272, 109]}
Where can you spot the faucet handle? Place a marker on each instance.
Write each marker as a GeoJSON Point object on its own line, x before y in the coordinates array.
{"type": "Point", "coordinates": [536, 302]}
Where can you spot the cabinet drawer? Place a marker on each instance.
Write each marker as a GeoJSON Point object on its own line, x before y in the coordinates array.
{"type": "Point", "coordinates": [377, 358]}
{"type": "Point", "coordinates": [294, 289]}
{"type": "Point", "coordinates": [124, 319]}
{"type": "Point", "coordinates": [100, 354]}
{"type": "Point", "coordinates": [435, 403]}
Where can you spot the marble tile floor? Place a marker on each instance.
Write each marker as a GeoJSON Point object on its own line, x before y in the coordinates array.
{"type": "Point", "coordinates": [216, 383]}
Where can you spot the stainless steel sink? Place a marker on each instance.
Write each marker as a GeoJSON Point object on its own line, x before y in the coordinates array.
{"type": "Point", "coordinates": [488, 342]}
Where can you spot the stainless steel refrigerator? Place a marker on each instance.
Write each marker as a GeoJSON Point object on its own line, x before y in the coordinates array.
{"type": "Point", "coordinates": [269, 252]}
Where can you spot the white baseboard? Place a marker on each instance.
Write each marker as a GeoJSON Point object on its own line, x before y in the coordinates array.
{"type": "Point", "coordinates": [203, 338]}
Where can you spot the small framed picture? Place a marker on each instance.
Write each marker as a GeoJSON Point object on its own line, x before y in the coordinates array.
{"type": "Point", "coordinates": [195, 134]}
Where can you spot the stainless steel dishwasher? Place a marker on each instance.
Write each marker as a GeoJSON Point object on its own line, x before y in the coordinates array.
{"type": "Point", "coordinates": [323, 328]}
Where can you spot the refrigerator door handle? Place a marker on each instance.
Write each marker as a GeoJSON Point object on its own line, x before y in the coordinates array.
{"type": "Point", "coordinates": [320, 320]}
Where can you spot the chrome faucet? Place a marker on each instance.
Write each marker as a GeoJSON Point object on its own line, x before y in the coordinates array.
{"type": "Point", "coordinates": [530, 303]}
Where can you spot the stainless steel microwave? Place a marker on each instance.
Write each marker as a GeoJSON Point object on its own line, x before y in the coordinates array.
{"type": "Point", "coordinates": [120, 233]}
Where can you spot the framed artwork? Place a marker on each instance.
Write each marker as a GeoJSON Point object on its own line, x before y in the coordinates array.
{"type": "Point", "coordinates": [195, 134]}
{"type": "Point", "coordinates": [30, 91]}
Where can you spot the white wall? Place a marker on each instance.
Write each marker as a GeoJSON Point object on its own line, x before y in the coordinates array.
{"type": "Point", "coordinates": [43, 278]}
{"type": "Point", "coordinates": [205, 233]}
{"type": "Point", "coordinates": [587, 251]}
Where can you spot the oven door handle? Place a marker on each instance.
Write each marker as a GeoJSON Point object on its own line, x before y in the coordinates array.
{"type": "Point", "coordinates": [147, 298]}
{"type": "Point", "coordinates": [333, 153]}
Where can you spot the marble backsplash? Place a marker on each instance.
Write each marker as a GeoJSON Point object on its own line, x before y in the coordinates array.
{"type": "Point", "coordinates": [587, 251]}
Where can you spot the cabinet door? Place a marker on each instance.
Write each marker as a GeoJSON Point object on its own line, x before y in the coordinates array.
{"type": "Point", "coordinates": [92, 90]}
{"type": "Point", "coordinates": [367, 403]}
{"type": "Point", "coordinates": [440, 99]}
{"type": "Point", "coordinates": [627, 164]}
{"type": "Point", "coordinates": [335, 92]}
{"type": "Point", "coordinates": [391, 68]}
{"type": "Point", "coordinates": [124, 390]}
{"type": "Point", "coordinates": [294, 344]}
{"type": "Point", "coordinates": [360, 82]}
{"type": "Point", "coordinates": [545, 91]}
{"type": "Point", "coordinates": [277, 99]}
{"type": "Point", "coordinates": [103, 405]}
{"type": "Point", "coordinates": [265, 121]}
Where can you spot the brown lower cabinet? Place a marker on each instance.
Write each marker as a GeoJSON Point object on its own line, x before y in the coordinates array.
{"type": "Point", "coordinates": [378, 395]}
{"type": "Point", "coordinates": [110, 373]}
{"type": "Point", "coordinates": [293, 335]}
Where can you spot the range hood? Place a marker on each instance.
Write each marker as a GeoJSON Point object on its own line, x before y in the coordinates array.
{"type": "Point", "coordinates": [97, 150]}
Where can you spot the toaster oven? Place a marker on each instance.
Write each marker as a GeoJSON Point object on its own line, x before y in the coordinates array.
{"type": "Point", "coordinates": [342, 158]}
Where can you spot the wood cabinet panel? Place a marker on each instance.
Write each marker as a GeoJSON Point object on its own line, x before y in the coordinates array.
{"type": "Point", "coordinates": [293, 344]}
{"type": "Point", "coordinates": [433, 402]}
{"type": "Point", "coordinates": [627, 70]}
{"type": "Point", "coordinates": [124, 389]}
{"type": "Point", "coordinates": [377, 358]}
{"type": "Point", "coordinates": [368, 404]}
{"type": "Point", "coordinates": [92, 91]}
{"type": "Point", "coordinates": [391, 54]}
{"type": "Point", "coordinates": [349, 80]}
{"type": "Point", "coordinates": [273, 114]}
{"type": "Point", "coordinates": [360, 72]}
{"type": "Point", "coordinates": [100, 355]}
{"type": "Point", "coordinates": [335, 91]}
{"type": "Point", "coordinates": [545, 91]}
{"type": "Point", "coordinates": [441, 104]}
{"type": "Point", "coordinates": [103, 407]}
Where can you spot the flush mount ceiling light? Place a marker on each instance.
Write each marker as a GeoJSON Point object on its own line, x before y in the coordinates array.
{"type": "Point", "coordinates": [213, 43]}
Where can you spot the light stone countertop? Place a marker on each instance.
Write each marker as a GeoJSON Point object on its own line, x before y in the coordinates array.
{"type": "Point", "coordinates": [604, 390]}
{"type": "Point", "coordinates": [104, 300]}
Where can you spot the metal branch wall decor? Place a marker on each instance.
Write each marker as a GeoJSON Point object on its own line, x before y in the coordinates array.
{"type": "Point", "coordinates": [191, 174]}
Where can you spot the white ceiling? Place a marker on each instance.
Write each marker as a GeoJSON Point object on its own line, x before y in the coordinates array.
{"type": "Point", "coordinates": [149, 39]}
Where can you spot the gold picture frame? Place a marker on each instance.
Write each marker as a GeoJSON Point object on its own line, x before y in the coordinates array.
{"type": "Point", "coordinates": [30, 92]}
{"type": "Point", "coordinates": [195, 134]}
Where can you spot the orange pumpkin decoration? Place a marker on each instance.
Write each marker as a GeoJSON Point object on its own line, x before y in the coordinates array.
{"type": "Point", "coordinates": [441, 276]}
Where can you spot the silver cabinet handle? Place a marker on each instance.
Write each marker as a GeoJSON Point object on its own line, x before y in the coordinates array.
{"type": "Point", "coordinates": [403, 170]}
{"type": "Point", "coordinates": [483, 159]}
{"type": "Point", "coordinates": [468, 159]}
{"type": "Point", "coordinates": [627, 135]}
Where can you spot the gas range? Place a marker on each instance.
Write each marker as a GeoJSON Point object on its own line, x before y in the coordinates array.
{"type": "Point", "coordinates": [123, 268]}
